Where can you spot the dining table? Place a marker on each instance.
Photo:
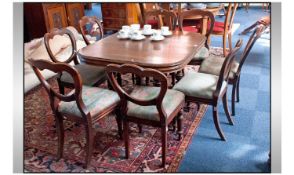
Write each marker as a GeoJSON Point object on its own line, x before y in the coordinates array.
{"type": "Point", "coordinates": [169, 55]}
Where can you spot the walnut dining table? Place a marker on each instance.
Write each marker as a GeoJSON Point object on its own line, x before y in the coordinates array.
{"type": "Point", "coordinates": [168, 56]}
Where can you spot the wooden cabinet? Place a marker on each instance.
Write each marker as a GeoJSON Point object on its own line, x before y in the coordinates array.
{"type": "Point", "coordinates": [75, 11]}
{"type": "Point", "coordinates": [42, 17]}
{"type": "Point", "coordinates": [116, 15]}
{"type": "Point", "coordinates": [54, 16]}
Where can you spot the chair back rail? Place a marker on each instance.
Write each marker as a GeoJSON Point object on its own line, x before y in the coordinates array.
{"type": "Point", "coordinates": [113, 69]}
{"type": "Point", "coordinates": [169, 17]}
{"type": "Point", "coordinates": [253, 38]}
{"type": "Point", "coordinates": [197, 12]}
{"type": "Point", "coordinates": [90, 20]}
{"type": "Point", "coordinates": [226, 68]}
{"type": "Point", "coordinates": [230, 14]}
{"type": "Point", "coordinates": [61, 32]}
{"type": "Point", "coordinates": [39, 65]}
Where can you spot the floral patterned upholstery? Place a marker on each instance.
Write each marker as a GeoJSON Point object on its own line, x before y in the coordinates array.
{"type": "Point", "coordinates": [199, 85]}
{"type": "Point", "coordinates": [213, 65]}
{"type": "Point", "coordinates": [94, 99]}
{"type": "Point", "coordinates": [90, 74]}
{"type": "Point", "coordinates": [202, 54]}
{"type": "Point", "coordinates": [171, 101]}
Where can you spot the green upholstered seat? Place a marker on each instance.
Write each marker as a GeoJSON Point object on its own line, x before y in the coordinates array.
{"type": "Point", "coordinates": [90, 74]}
{"type": "Point", "coordinates": [202, 54]}
{"type": "Point", "coordinates": [95, 99]}
{"type": "Point", "coordinates": [213, 65]}
{"type": "Point", "coordinates": [198, 85]}
{"type": "Point", "coordinates": [171, 101]}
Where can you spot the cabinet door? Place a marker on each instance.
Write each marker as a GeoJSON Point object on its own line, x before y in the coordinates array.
{"type": "Point", "coordinates": [56, 16]}
{"type": "Point", "coordinates": [75, 11]}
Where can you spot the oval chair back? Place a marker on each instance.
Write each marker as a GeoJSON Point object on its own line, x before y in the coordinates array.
{"type": "Point", "coordinates": [95, 29]}
{"type": "Point", "coordinates": [61, 32]}
{"type": "Point", "coordinates": [113, 69]}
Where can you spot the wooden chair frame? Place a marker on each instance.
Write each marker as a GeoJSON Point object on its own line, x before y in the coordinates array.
{"type": "Point", "coordinates": [169, 17]}
{"type": "Point", "coordinates": [86, 118]}
{"type": "Point", "coordinates": [90, 20]}
{"type": "Point", "coordinates": [235, 81]}
{"type": "Point", "coordinates": [202, 14]}
{"type": "Point", "coordinates": [217, 94]}
{"type": "Point", "coordinates": [230, 14]}
{"type": "Point", "coordinates": [73, 57]}
{"type": "Point", "coordinates": [111, 70]}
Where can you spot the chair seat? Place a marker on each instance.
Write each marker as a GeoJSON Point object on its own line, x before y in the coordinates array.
{"type": "Point", "coordinates": [218, 27]}
{"type": "Point", "coordinates": [191, 29]}
{"type": "Point", "coordinates": [199, 85]}
{"type": "Point", "coordinates": [202, 54]}
{"type": "Point", "coordinates": [213, 65]}
{"type": "Point", "coordinates": [94, 99]}
{"type": "Point", "coordinates": [90, 74]}
{"type": "Point", "coordinates": [171, 101]}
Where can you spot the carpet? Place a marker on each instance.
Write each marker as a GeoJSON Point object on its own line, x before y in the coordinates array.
{"type": "Point", "coordinates": [40, 137]}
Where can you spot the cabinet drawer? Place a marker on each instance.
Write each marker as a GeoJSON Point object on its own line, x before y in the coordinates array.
{"type": "Point", "coordinates": [113, 13]}
{"type": "Point", "coordinates": [113, 23]}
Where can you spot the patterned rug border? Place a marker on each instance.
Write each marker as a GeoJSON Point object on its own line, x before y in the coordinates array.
{"type": "Point", "coordinates": [185, 143]}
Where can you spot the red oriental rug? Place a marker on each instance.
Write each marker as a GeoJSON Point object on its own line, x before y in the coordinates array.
{"type": "Point", "coordinates": [40, 137]}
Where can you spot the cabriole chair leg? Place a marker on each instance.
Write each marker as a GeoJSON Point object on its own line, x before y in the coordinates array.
{"type": "Point", "coordinates": [217, 124]}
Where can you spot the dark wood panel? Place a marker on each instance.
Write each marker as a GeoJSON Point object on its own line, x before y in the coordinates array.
{"type": "Point", "coordinates": [35, 26]}
{"type": "Point", "coordinates": [75, 11]}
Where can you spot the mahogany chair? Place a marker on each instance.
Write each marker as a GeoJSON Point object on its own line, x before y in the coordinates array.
{"type": "Point", "coordinates": [91, 75]}
{"type": "Point", "coordinates": [169, 18]}
{"type": "Point", "coordinates": [84, 104]}
{"type": "Point", "coordinates": [144, 7]}
{"type": "Point", "coordinates": [224, 29]}
{"type": "Point", "coordinates": [148, 105]}
{"type": "Point", "coordinates": [212, 65]}
{"type": "Point", "coordinates": [198, 14]}
{"type": "Point", "coordinates": [91, 29]}
{"type": "Point", "coordinates": [208, 88]}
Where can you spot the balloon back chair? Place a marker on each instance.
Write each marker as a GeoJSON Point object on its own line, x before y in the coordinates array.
{"type": "Point", "coordinates": [91, 29]}
{"type": "Point", "coordinates": [84, 104]}
{"type": "Point", "coordinates": [148, 105]}
{"type": "Point", "coordinates": [212, 65]}
{"type": "Point", "coordinates": [208, 88]}
{"type": "Point", "coordinates": [91, 75]}
{"type": "Point", "coordinates": [197, 14]}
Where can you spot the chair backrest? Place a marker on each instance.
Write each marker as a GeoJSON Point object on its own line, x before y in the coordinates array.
{"type": "Point", "coordinates": [39, 65]}
{"type": "Point", "coordinates": [253, 38]}
{"type": "Point", "coordinates": [91, 26]}
{"type": "Point", "coordinates": [230, 15]}
{"type": "Point", "coordinates": [169, 17]}
{"type": "Point", "coordinates": [54, 32]}
{"type": "Point", "coordinates": [197, 13]}
{"type": "Point", "coordinates": [226, 67]}
{"type": "Point", "coordinates": [113, 69]}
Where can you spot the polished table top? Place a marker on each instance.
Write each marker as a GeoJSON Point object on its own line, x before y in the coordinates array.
{"type": "Point", "coordinates": [168, 55]}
